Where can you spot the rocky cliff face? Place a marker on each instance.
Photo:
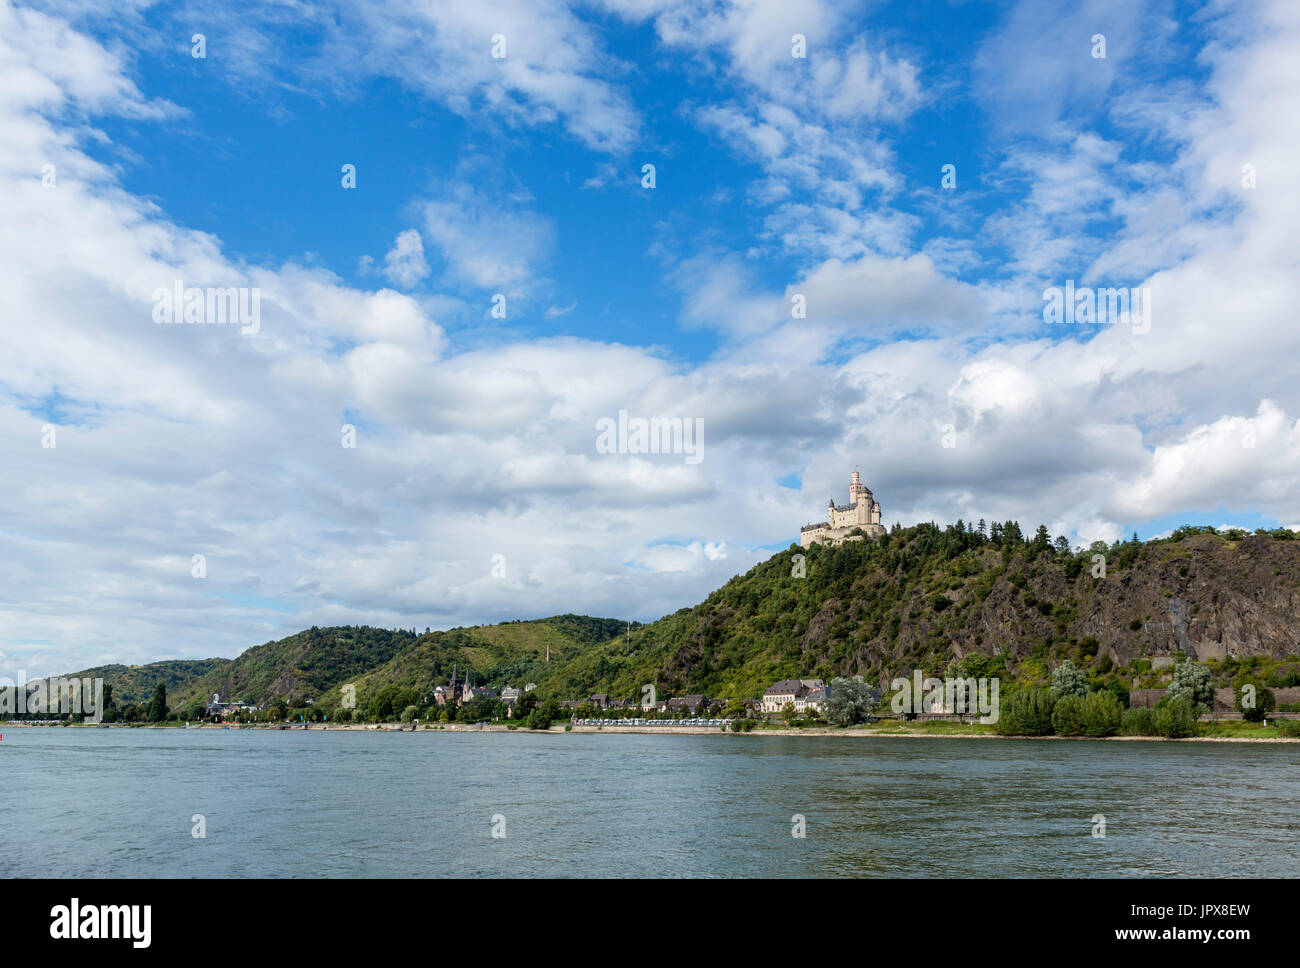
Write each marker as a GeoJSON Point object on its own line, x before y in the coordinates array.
{"type": "Point", "coordinates": [1204, 596]}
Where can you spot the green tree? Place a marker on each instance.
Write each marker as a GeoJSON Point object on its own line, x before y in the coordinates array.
{"type": "Point", "coordinates": [1042, 540]}
{"type": "Point", "coordinates": [111, 714]}
{"type": "Point", "coordinates": [1027, 712]}
{"type": "Point", "coordinates": [1101, 714]}
{"type": "Point", "coordinates": [158, 706]}
{"type": "Point", "coordinates": [1176, 718]}
{"type": "Point", "coordinates": [1068, 680]}
{"type": "Point", "coordinates": [1255, 702]}
{"type": "Point", "coordinates": [1139, 722]}
{"type": "Point", "coordinates": [1067, 715]}
{"type": "Point", "coordinates": [1192, 682]}
{"type": "Point", "coordinates": [851, 701]}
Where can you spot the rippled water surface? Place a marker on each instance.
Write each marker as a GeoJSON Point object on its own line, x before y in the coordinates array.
{"type": "Point", "coordinates": [116, 802]}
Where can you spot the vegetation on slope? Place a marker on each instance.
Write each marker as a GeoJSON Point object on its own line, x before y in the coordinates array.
{"type": "Point", "coordinates": [137, 684]}
{"type": "Point", "coordinates": [1002, 602]}
{"type": "Point", "coordinates": [982, 600]}
{"type": "Point", "coordinates": [298, 667]}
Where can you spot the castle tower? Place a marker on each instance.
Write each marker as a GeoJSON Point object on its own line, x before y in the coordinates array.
{"type": "Point", "coordinates": [856, 488]}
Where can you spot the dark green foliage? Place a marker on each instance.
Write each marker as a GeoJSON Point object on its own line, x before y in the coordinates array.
{"type": "Point", "coordinates": [1175, 718]}
{"type": "Point", "coordinates": [302, 666]}
{"type": "Point", "coordinates": [136, 684]}
{"type": "Point", "coordinates": [1263, 703]}
{"type": "Point", "coordinates": [1139, 722]}
{"type": "Point", "coordinates": [1026, 712]}
{"type": "Point", "coordinates": [1096, 714]}
{"type": "Point", "coordinates": [1067, 716]}
{"type": "Point", "coordinates": [543, 715]}
{"type": "Point", "coordinates": [1285, 675]}
{"type": "Point", "coordinates": [1189, 530]}
{"type": "Point", "coordinates": [158, 707]}
{"type": "Point", "coordinates": [587, 630]}
{"type": "Point", "coordinates": [1101, 714]}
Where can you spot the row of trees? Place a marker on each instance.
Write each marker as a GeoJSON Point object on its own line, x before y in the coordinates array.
{"type": "Point", "coordinates": [1067, 707]}
{"type": "Point", "coordinates": [154, 711]}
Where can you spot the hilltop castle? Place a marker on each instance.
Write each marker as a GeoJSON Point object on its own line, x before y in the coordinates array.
{"type": "Point", "coordinates": [862, 511]}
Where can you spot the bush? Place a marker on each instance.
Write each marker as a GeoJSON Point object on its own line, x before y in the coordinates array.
{"type": "Point", "coordinates": [1285, 675]}
{"type": "Point", "coordinates": [1139, 722]}
{"type": "Point", "coordinates": [1176, 718]}
{"type": "Point", "coordinates": [1288, 727]}
{"type": "Point", "coordinates": [1067, 716]}
{"type": "Point", "coordinates": [1101, 714]}
{"type": "Point", "coordinates": [1026, 713]}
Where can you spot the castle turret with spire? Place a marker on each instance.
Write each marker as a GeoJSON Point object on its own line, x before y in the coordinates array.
{"type": "Point", "coordinates": [862, 512]}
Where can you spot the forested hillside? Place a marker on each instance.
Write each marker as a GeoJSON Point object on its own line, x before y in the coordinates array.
{"type": "Point", "coordinates": [992, 598]}
{"type": "Point", "coordinates": [925, 596]}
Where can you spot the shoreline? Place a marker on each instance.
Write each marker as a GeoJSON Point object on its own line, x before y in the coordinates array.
{"type": "Point", "coordinates": [655, 730]}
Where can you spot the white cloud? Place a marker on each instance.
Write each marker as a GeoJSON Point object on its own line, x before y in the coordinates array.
{"type": "Point", "coordinates": [175, 441]}
{"type": "Point", "coordinates": [488, 240]}
{"type": "Point", "coordinates": [405, 263]}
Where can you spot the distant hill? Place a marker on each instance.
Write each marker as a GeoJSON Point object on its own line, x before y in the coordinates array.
{"type": "Point", "coordinates": [315, 662]}
{"type": "Point", "coordinates": [136, 684]}
{"type": "Point", "coordinates": [301, 666]}
{"type": "Point", "coordinates": [511, 653]}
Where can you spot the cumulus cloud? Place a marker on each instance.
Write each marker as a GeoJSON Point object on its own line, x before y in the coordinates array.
{"type": "Point", "coordinates": [405, 263]}
{"type": "Point", "coordinates": [176, 441]}
{"type": "Point", "coordinates": [488, 239]}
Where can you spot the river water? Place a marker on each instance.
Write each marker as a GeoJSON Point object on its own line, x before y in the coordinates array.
{"type": "Point", "coordinates": [123, 803]}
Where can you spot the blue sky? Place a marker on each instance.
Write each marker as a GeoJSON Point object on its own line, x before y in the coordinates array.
{"type": "Point", "coordinates": [923, 358]}
{"type": "Point", "coordinates": [258, 166]}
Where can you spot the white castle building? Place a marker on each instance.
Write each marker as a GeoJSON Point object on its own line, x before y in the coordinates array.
{"type": "Point", "coordinates": [862, 511]}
